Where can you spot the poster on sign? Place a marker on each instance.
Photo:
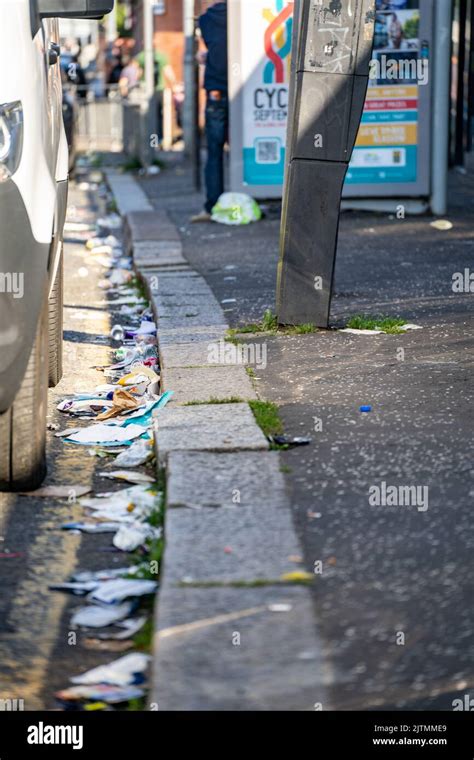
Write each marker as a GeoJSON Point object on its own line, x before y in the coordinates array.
{"type": "Point", "coordinates": [260, 34]}
{"type": "Point", "coordinates": [386, 150]}
{"type": "Point", "coordinates": [392, 152]}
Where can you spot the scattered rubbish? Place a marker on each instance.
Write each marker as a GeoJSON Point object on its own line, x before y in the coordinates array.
{"type": "Point", "coordinates": [127, 670]}
{"type": "Point", "coordinates": [119, 416]}
{"type": "Point", "coordinates": [129, 475]}
{"type": "Point", "coordinates": [353, 331]}
{"type": "Point", "coordinates": [122, 401]}
{"type": "Point", "coordinates": [79, 589]}
{"type": "Point", "coordinates": [111, 221]}
{"type": "Point", "coordinates": [139, 453]}
{"type": "Point", "coordinates": [86, 576]}
{"type": "Point", "coordinates": [104, 453]}
{"type": "Point", "coordinates": [130, 537]}
{"type": "Point", "coordinates": [297, 576]}
{"type": "Point", "coordinates": [78, 227]}
{"type": "Point", "coordinates": [100, 691]}
{"type": "Point", "coordinates": [103, 527]}
{"type": "Point", "coordinates": [108, 646]}
{"type": "Point", "coordinates": [58, 491]}
{"type": "Point", "coordinates": [284, 440]}
{"type": "Point", "coordinates": [380, 329]}
{"type": "Point", "coordinates": [84, 407]}
{"type": "Point", "coordinates": [280, 607]}
{"type": "Point", "coordinates": [137, 498]}
{"type": "Point", "coordinates": [52, 426]}
{"type": "Point", "coordinates": [365, 408]}
{"type": "Point", "coordinates": [117, 333]}
{"type": "Point", "coordinates": [236, 208]}
{"type": "Point", "coordinates": [141, 379]}
{"type": "Point", "coordinates": [131, 626]}
{"type": "Point", "coordinates": [143, 416]}
{"type": "Point", "coordinates": [442, 224]}
{"type": "Point", "coordinates": [95, 616]}
{"type": "Point", "coordinates": [114, 591]}
{"type": "Point", "coordinates": [150, 171]}
{"type": "Point", "coordinates": [96, 242]}
{"type": "Point", "coordinates": [146, 328]}
{"type": "Point", "coordinates": [120, 277]}
{"type": "Point", "coordinates": [106, 435]}
{"type": "Point", "coordinates": [67, 432]}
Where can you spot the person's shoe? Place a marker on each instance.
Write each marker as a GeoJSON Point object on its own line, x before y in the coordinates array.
{"type": "Point", "coordinates": [203, 216]}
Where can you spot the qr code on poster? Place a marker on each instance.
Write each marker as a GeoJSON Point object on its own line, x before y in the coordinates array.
{"type": "Point", "coordinates": [267, 151]}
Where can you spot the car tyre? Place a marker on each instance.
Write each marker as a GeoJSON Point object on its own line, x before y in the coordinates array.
{"type": "Point", "coordinates": [23, 426]}
{"type": "Point", "coordinates": [55, 327]}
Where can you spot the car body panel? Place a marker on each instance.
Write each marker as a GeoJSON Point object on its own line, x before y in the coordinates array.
{"type": "Point", "coordinates": [33, 200]}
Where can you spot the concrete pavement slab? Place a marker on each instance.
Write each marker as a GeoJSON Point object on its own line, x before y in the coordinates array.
{"type": "Point", "coordinates": [157, 254]}
{"type": "Point", "coordinates": [207, 334]}
{"type": "Point", "coordinates": [230, 649]}
{"type": "Point", "coordinates": [207, 383]}
{"type": "Point", "coordinates": [236, 543]}
{"type": "Point", "coordinates": [150, 225]}
{"type": "Point", "coordinates": [208, 427]}
{"type": "Point", "coordinates": [127, 193]}
{"type": "Point", "coordinates": [184, 354]}
{"type": "Point", "coordinates": [207, 479]}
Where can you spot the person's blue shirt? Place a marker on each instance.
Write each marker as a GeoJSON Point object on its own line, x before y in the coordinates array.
{"type": "Point", "coordinates": [213, 25]}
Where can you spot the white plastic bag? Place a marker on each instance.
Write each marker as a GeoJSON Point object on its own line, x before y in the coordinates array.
{"type": "Point", "coordinates": [236, 208]}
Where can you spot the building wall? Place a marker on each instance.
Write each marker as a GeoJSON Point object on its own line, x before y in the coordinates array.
{"type": "Point", "coordinates": [169, 37]}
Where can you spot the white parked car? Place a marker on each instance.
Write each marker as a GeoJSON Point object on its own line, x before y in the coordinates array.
{"type": "Point", "coordinates": [33, 197]}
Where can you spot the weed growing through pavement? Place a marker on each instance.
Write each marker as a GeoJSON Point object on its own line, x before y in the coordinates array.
{"type": "Point", "coordinates": [388, 325]}
{"type": "Point", "coordinates": [269, 324]}
{"type": "Point", "coordinates": [268, 419]}
{"type": "Point", "coordinates": [133, 164]}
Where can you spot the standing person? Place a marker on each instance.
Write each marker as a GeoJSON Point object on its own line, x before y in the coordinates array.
{"type": "Point", "coordinates": [213, 25]}
{"type": "Point", "coordinates": [129, 77]}
{"type": "Point", "coordinates": [163, 76]}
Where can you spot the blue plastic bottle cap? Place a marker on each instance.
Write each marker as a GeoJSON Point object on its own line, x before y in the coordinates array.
{"type": "Point", "coordinates": [365, 408]}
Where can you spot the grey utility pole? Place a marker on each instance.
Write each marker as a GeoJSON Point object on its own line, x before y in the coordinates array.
{"type": "Point", "coordinates": [149, 75]}
{"type": "Point", "coordinates": [332, 46]}
{"type": "Point", "coordinates": [442, 71]}
{"type": "Point", "coordinates": [189, 117]}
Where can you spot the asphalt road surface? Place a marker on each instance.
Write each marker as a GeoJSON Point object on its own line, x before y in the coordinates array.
{"type": "Point", "coordinates": [393, 603]}
{"type": "Point", "coordinates": [37, 652]}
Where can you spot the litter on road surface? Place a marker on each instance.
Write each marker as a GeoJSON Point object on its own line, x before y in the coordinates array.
{"type": "Point", "coordinates": [236, 208]}
{"type": "Point", "coordinates": [122, 672]}
{"type": "Point", "coordinates": [100, 692]}
{"type": "Point", "coordinates": [94, 616]}
{"type": "Point", "coordinates": [112, 592]}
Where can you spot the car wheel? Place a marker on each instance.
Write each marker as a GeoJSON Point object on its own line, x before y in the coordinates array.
{"type": "Point", "coordinates": [55, 328]}
{"type": "Point", "coordinates": [23, 426]}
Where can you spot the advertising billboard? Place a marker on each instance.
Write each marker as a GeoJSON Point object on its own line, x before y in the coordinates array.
{"type": "Point", "coordinates": [392, 153]}
{"type": "Point", "coordinates": [259, 69]}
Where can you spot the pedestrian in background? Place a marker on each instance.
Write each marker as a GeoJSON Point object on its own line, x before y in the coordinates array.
{"type": "Point", "coordinates": [213, 25]}
{"type": "Point", "coordinates": [129, 77]}
{"type": "Point", "coordinates": [164, 77]}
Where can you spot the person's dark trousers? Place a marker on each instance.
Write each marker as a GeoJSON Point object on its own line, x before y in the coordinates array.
{"type": "Point", "coordinates": [217, 123]}
{"type": "Point", "coordinates": [159, 114]}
